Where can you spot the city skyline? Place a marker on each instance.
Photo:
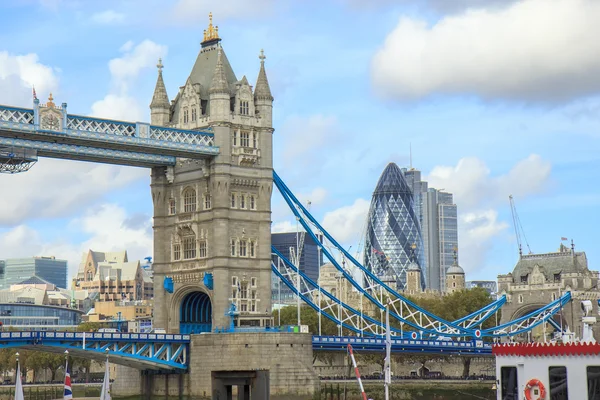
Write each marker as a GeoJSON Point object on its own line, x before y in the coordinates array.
{"type": "Point", "coordinates": [483, 133]}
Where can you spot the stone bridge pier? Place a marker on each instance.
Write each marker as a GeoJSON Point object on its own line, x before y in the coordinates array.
{"type": "Point", "coordinates": [283, 362]}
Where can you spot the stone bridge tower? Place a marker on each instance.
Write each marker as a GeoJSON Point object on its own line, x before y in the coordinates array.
{"type": "Point", "coordinates": [212, 218]}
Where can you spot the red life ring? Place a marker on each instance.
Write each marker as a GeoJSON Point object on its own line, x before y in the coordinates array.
{"type": "Point", "coordinates": [530, 385]}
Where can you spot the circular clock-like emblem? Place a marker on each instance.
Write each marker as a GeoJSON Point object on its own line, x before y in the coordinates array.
{"type": "Point", "coordinates": [51, 122]}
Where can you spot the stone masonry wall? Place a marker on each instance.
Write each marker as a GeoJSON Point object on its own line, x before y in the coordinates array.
{"type": "Point", "coordinates": [287, 356]}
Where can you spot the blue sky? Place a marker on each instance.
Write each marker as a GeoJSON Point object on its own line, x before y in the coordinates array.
{"type": "Point", "coordinates": [495, 98]}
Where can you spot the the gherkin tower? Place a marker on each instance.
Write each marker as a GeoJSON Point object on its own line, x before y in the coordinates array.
{"type": "Point", "coordinates": [393, 238]}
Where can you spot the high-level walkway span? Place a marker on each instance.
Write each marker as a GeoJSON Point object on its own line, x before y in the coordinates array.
{"type": "Point", "coordinates": [137, 350]}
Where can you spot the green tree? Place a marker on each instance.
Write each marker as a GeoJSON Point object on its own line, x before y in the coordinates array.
{"type": "Point", "coordinates": [88, 327]}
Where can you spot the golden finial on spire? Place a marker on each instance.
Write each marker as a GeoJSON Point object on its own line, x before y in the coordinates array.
{"type": "Point", "coordinates": [50, 103]}
{"type": "Point", "coordinates": [212, 32]}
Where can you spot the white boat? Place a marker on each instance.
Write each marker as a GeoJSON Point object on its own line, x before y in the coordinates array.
{"type": "Point", "coordinates": [559, 370]}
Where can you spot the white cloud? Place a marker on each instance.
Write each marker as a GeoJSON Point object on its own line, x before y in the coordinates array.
{"type": "Point", "coordinates": [473, 186]}
{"type": "Point", "coordinates": [284, 226]}
{"type": "Point", "coordinates": [107, 229]}
{"type": "Point", "coordinates": [347, 224]}
{"type": "Point", "coordinates": [57, 188]}
{"type": "Point", "coordinates": [194, 10]}
{"type": "Point", "coordinates": [124, 70]}
{"type": "Point", "coordinates": [441, 6]}
{"type": "Point", "coordinates": [108, 17]}
{"type": "Point", "coordinates": [477, 194]}
{"type": "Point", "coordinates": [534, 50]}
{"type": "Point", "coordinates": [316, 197]}
{"type": "Point", "coordinates": [304, 136]}
{"type": "Point", "coordinates": [476, 232]}
{"type": "Point", "coordinates": [19, 74]}
{"type": "Point", "coordinates": [120, 107]}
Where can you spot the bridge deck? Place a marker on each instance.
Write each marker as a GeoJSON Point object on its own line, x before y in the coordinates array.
{"type": "Point", "coordinates": [137, 350]}
{"type": "Point", "coordinates": [100, 140]}
{"type": "Point", "coordinates": [337, 343]}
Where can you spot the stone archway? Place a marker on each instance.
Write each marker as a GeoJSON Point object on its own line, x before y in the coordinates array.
{"type": "Point", "coordinates": [195, 313]}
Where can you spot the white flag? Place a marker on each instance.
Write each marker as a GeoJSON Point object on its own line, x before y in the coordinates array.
{"type": "Point", "coordinates": [105, 393]}
{"type": "Point", "coordinates": [18, 385]}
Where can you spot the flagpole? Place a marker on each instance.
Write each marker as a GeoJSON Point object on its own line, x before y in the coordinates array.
{"type": "Point", "coordinates": [18, 384]}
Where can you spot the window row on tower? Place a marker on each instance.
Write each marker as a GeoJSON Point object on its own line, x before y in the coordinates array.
{"type": "Point", "coordinates": [243, 247]}
{"type": "Point", "coordinates": [246, 139]}
{"type": "Point", "coordinates": [239, 200]}
{"type": "Point", "coordinates": [244, 294]}
{"type": "Point", "coordinates": [188, 248]}
{"type": "Point", "coordinates": [243, 201]}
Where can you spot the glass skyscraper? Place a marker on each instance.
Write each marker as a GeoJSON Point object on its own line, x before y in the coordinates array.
{"type": "Point", "coordinates": [393, 237]}
{"type": "Point", "coordinates": [310, 261]}
{"type": "Point", "coordinates": [437, 216]}
{"type": "Point", "coordinates": [17, 270]}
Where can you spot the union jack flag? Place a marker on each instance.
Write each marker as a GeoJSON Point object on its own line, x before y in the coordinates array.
{"type": "Point", "coordinates": [68, 395]}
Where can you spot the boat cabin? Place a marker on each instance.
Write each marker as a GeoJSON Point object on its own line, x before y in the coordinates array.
{"type": "Point", "coordinates": [548, 371]}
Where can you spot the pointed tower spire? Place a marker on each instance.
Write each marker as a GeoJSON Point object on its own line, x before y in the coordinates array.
{"type": "Point", "coordinates": [160, 99]}
{"type": "Point", "coordinates": [219, 80]}
{"type": "Point", "coordinates": [160, 106]}
{"type": "Point", "coordinates": [262, 90]}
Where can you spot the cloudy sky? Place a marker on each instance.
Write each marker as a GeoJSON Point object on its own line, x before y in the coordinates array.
{"type": "Point", "coordinates": [495, 98]}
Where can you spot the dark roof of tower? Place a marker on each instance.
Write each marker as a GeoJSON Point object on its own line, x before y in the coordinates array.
{"type": "Point", "coordinates": [563, 261]}
{"type": "Point", "coordinates": [203, 72]}
{"type": "Point", "coordinates": [392, 181]}
{"type": "Point", "coordinates": [205, 66]}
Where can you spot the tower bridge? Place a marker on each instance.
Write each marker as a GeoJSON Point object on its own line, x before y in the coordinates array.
{"type": "Point", "coordinates": [210, 152]}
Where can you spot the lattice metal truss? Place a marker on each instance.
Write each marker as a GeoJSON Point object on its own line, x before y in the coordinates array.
{"type": "Point", "coordinates": [529, 321]}
{"type": "Point", "coordinates": [324, 302]}
{"type": "Point", "coordinates": [143, 351]}
{"type": "Point", "coordinates": [16, 115]}
{"type": "Point", "coordinates": [16, 159]}
{"type": "Point", "coordinates": [402, 309]}
{"type": "Point", "coordinates": [103, 134]}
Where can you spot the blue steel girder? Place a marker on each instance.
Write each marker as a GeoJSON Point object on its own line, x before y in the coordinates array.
{"type": "Point", "coordinates": [24, 123]}
{"type": "Point", "coordinates": [377, 345]}
{"type": "Point", "coordinates": [81, 153]}
{"type": "Point", "coordinates": [137, 350]}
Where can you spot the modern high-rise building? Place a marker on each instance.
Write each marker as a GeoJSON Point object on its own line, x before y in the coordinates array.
{"type": "Point", "coordinates": [437, 215]}
{"type": "Point", "coordinates": [310, 261]}
{"type": "Point", "coordinates": [393, 238]}
{"type": "Point", "coordinates": [17, 270]}
{"type": "Point", "coordinates": [2, 267]}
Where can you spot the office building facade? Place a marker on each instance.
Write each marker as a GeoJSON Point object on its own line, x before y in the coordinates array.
{"type": "Point", "coordinates": [311, 259]}
{"type": "Point", "coordinates": [16, 270]}
{"type": "Point", "coordinates": [393, 238]}
{"type": "Point", "coordinates": [438, 218]}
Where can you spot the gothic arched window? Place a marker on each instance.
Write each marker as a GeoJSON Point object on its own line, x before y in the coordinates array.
{"type": "Point", "coordinates": [189, 200]}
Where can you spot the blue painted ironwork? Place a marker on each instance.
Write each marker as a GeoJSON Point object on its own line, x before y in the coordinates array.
{"type": "Point", "coordinates": [138, 350]}
{"type": "Point", "coordinates": [82, 153]}
{"type": "Point", "coordinates": [337, 343]}
{"type": "Point", "coordinates": [208, 280]}
{"type": "Point", "coordinates": [123, 138]}
{"type": "Point", "coordinates": [378, 293]}
{"type": "Point", "coordinates": [168, 284]}
{"type": "Point", "coordinates": [196, 313]}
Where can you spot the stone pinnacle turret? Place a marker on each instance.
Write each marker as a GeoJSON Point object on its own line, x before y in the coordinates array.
{"type": "Point", "coordinates": [219, 80]}
{"type": "Point", "coordinates": [160, 106]}
{"type": "Point", "coordinates": [262, 90]}
{"type": "Point", "coordinates": [160, 99]}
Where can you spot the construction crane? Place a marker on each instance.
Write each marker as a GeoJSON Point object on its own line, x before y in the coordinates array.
{"type": "Point", "coordinates": [518, 227]}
